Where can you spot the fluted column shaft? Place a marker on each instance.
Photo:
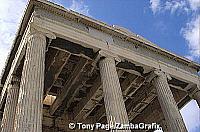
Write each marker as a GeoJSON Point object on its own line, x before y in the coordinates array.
{"type": "Point", "coordinates": [168, 104]}
{"type": "Point", "coordinates": [10, 106]}
{"type": "Point", "coordinates": [113, 99]}
{"type": "Point", "coordinates": [29, 108]}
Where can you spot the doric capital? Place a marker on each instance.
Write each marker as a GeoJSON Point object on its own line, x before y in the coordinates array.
{"type": "Point", "coordinates": [157, 73]}
{"type": "Point", "coordinates": [195, 92]}
{"type": "Point", "coordinates": [108, 55]}
{"type": "Point", "coordinates": [35, 30]}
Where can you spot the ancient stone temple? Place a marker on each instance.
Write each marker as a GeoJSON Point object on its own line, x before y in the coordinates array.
{"type": "Point", "coordinates": [67, 68]}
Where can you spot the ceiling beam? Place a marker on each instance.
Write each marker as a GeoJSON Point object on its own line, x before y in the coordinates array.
{"type": "Point", "coordinates": [134, 84]}
{"type": "Point", "coordinates": [178, 88]}
{"type": "Point", "coordinates": [85, 107]}
{"type": "Point", "coordinates": [140, 100]}
{"type": "Point", "coordinates": [73, 48]}
{"type": "Point", "coordinates": [152, 113]}
{"type": "Point", "coordinates": [129, 86]}
{"type": "Point", "coordinates": [145, 99]}
{"type": "Point", "coordinates": [54, 69]}
{"type": "Point", "coordinates": [68, 85]}
{"type": "Point", "coordinates": [88, 102]}
{"type": "Point", "coordinates": [100, 113]}
{"type": "Point", "coordinates": [137, 105]}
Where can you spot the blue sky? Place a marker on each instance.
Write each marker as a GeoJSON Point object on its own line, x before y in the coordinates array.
{"type": "Point", "coordinates": [171, 24]}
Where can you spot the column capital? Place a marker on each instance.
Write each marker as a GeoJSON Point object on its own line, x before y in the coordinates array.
{"type": "Point", "coordinates": [35, 30]}
{"type": "Point", "coordinates": [110, 55]}
{"type": "Point", "coordinates": [159, 72]}
{"type": "Point", "coordinates": [195, 92]}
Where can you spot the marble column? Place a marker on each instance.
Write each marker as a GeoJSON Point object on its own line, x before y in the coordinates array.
{"type": "Point", "coordinates": [168, 103]}
{"type": "Point", "coordinates": [113, 99]}
{"type": "Point", "coordinates": [10, 106]}
{"type": "Point", "coordinates": [30, 102]}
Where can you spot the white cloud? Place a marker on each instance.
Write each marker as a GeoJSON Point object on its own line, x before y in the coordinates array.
{"type": "Point", "coordinates": [155, 5]}
{"type": "Point", "coordinates": [173, 6]}
{"type": "Point", "coordinates": [10, 15]}
{"type": "Point", "coordinates": [80, 7]}
{"type": "Point", "coordinates": [190, 31]}
{"type": "Point", "coordinates": [194, 4]}
{"type": "Point", "coordinates": [191, 34]}
{"type": "Point", "coordinates": [184, 6]}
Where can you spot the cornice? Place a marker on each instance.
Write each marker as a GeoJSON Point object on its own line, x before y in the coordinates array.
{"type": "Point", "coordinates": [135, 39]}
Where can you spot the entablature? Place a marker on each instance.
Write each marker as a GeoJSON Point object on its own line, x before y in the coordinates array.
{"type": "Point", "coordinates": [135, 52]}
